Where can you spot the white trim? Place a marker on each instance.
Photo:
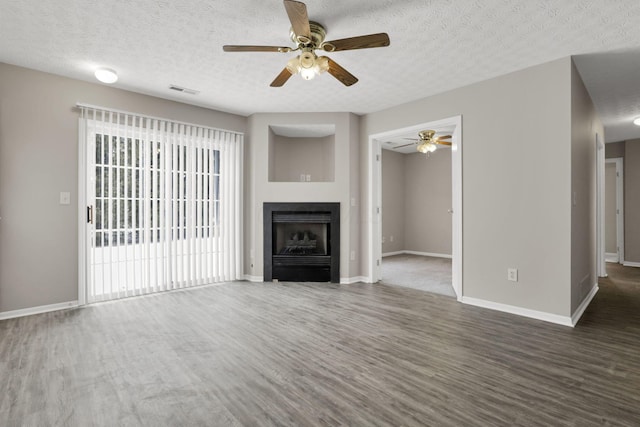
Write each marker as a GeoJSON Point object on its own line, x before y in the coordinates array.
{"type": "Point", "coordinates": [37, 310]}
{"type": "Point", "coordinates": [352, 280]}
{"type": "Point", "coordinates": [611, 257]}
{"type": "Point", "coordinates": [386, 254]}
{"type": "Point", "coordinates": [374, 175]}
{"type": "Point", "coordinates": [250, 278]}
{"type": "Point", "coordinates": [375, 207]}
{"type": "Point", "coordinates": [601, 268]}
{"type": "Point", "coordinates": [430, 254]}
{"type": "Point", "coordinates": [585, 303]}
{"type": "Point", "coordinates": [525, 312]}
{"type": "Point", "coordinates": [82, 212]}
{"type": "Point", "coordinates": [619, 162]}
{"type": "Point", "coordinates": [630, 264]}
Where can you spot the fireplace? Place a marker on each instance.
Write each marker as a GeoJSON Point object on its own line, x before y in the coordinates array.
{"type": "Point", "coordinates": [302, 242]}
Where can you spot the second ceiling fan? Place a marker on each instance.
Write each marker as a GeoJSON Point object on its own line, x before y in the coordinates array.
{"type": "Point", "coordinates": [309, 36]}
{"type": "Point", "coordinates": [427, 143]}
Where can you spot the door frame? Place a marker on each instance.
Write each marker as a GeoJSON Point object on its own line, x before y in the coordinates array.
{"type": "Point", "coordinates": [618, 161]}
{"type": "Point", "coordinates": [83, 234]}
{"type": "Point", "coordinates": [375, 197]}
{"type": "Point", "coordinates": [601, 266]}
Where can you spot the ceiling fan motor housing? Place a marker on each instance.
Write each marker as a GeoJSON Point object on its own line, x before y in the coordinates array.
{"type": "Point", "coordinates": [318, 34]}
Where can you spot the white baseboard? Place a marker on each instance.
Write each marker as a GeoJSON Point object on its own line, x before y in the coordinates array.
{"type": "Point", "coordinates": [611, 257]}
{"type": "Point", "coordinates": [351, 280]}
{"type": "Point", "coordinates": [429, 254]}
{"type": "Point", "coordinates": [630, 264]}
{"type": "Point", "coordinates": [37, 310]}
{"type": "Point", "coordinates": [392, 253]}
{"type": "Point", "coordinates": [250, 278]}
{"type": "Point", "coordinates": [585, 303]}
{"type": "Point", "coordinates": [417, 253]}
{"type": "Point", "coordinates": [525, 312]}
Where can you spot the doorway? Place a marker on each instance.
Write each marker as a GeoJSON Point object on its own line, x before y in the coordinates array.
{"type": "Point", "coordinates": [375, 196]}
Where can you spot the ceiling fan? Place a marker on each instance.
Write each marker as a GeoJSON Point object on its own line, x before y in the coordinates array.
{"type": "Point", "coordinates": [427, 143]}
{"type": "Point", "coordinates": [309, 36]}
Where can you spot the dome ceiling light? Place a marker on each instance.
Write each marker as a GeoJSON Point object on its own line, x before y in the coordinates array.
{"type": "Point", "coordinates": [106, 75]}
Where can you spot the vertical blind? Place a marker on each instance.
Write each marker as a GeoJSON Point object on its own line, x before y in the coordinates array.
{"type": "Point", "coordinates": [165, 204]}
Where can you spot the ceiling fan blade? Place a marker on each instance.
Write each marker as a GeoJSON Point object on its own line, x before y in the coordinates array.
{"type": "Point", "coordinates": [443, 137]}
{"type": "Point", "coordinates": [360, 42]}
{"type": "Point", "coordinates": [411, 139]}
{"type": "Point", "coordinates": [405, 145]}
{"type": "Point", "coordinates": [442, 142]}
{"type": "Point", "coordinates": [238, 48]}
{"type": "Point", "coordinates": [297, 12]}
{"type": "Point", "coordinates": [282, 78]}
{"type": "Point", "coordinates": [341, 74]}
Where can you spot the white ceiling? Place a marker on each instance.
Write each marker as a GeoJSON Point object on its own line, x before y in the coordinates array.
{"type": "Point", "coordinates": [436, 45]}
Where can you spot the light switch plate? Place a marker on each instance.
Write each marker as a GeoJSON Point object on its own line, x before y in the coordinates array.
{"type": "Point", "coordinates": [65, 198]}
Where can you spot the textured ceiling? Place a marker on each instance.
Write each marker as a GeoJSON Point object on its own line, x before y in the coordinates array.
{"type": "Point", "coordinates": [436, 46]}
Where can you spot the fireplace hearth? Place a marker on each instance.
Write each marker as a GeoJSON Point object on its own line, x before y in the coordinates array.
{"type": "Point", "coordinates": [302, 242]}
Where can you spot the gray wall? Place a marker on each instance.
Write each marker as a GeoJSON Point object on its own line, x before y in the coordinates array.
{"type": "Point", "coordinates": [427, 201]}
{"type": "Point", "coordinates": [38, 160]}
{"type": "Point", "coordinates": [516, 197]}
{"type": "Point", "coordinates": [632, 201]}
{"type": "Point", "coordinates": [292, 157]}
{"type": "Point", "coordinates": [614, 149]}
{"type": "Point", "coordinates": [416, 197]}
{"type": "Point", "coordinates": [342, 189]}
{"type": "Point", "coordinates": [584, 127]}
{"type": "Point", "coordinates": [393, 201]}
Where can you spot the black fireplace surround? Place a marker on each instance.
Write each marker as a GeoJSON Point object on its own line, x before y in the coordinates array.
{"type": "Point", "coordinates": [302, 242]}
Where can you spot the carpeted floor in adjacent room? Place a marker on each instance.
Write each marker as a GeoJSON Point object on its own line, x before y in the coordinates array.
{"type": "Point", "coordinates": [425, 273]}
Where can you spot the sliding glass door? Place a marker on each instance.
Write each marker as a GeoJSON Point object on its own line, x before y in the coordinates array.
{"type": "Point", "coordinates": [164, 205]}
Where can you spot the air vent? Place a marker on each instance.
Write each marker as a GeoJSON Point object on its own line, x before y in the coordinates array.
{"type": "Point", "coordinates": [184, 89]}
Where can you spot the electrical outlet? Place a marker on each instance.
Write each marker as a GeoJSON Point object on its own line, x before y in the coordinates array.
{"type": "Point", "coordinates": [308, 178]}
{"type": "Point", "coordinates": [512, 274]}
{"type": "Point", "coordinates": [352, 256]}
{"type": "Point", "coordinates": [303, 177]}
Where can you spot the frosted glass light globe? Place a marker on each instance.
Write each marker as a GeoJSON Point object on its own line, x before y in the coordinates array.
{"type": "Point", "coordinates": [106, 75]}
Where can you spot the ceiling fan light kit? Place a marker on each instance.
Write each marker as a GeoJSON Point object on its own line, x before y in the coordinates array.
{"type": "Point", "coordinates": [308, 64]}
{"type": "Point", "coordinates": [309, 36]}
{"type": "Point", "coordinates": [426, 147]}
{"type": "Point", "coordinates": [637, 121]}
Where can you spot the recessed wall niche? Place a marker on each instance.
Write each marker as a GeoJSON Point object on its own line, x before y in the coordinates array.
{"type": "Point", "coordinates": [302, 153]}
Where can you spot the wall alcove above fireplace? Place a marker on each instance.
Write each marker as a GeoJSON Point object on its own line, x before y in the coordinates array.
{"type": "Point", "coordinates": [302, 242]}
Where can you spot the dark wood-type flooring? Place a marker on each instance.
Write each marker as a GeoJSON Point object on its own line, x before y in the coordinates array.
{"type": "Point", "coordinates": [304, 354]}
